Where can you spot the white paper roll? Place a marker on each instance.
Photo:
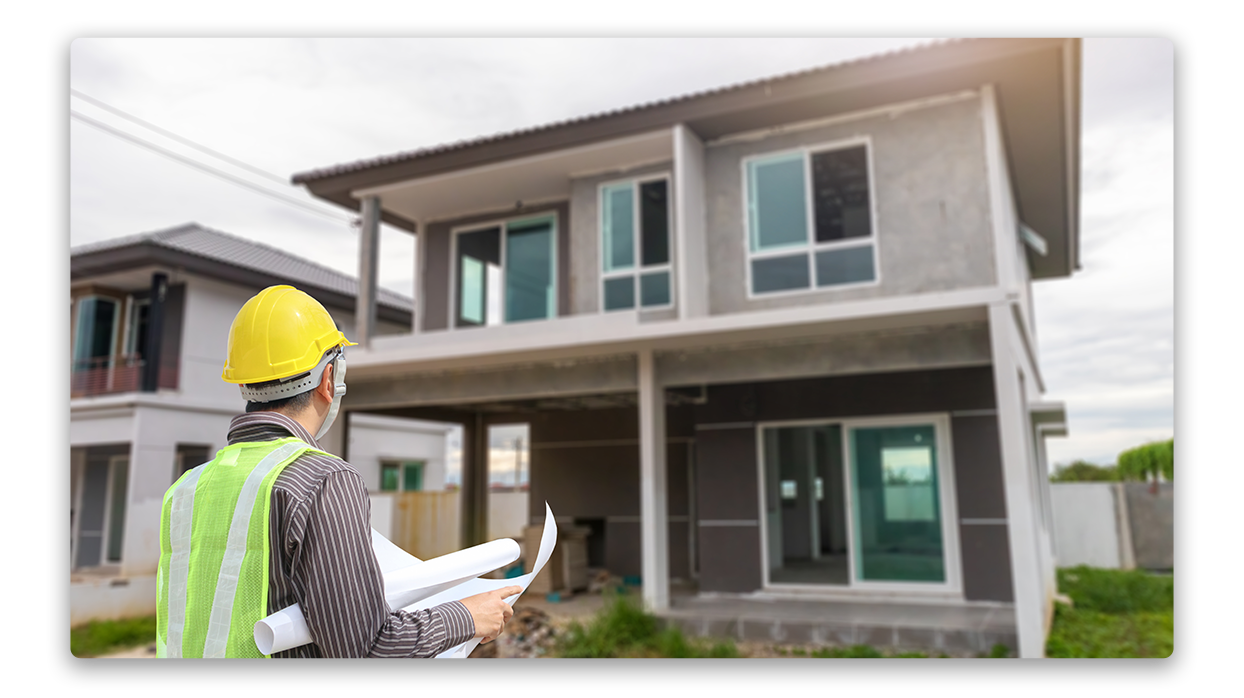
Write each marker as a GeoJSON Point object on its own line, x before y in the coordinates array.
{"type": "Point", "coordinates": [412, 584]}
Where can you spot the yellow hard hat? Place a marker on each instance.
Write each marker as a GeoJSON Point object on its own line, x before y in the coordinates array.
{"type": "Point", "coordinates": [281, 332]}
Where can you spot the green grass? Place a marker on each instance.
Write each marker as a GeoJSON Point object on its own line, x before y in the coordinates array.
{"type": "Point", "coordinates": [1115, 613]}
{"type": "Point", "coordinates": [623, 629]}
{"type": "Point", "coordinates": [105, 636]}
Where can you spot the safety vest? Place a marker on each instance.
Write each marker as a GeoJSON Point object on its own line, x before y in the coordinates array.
{"type": "Point", "coordinates": [212, 583]}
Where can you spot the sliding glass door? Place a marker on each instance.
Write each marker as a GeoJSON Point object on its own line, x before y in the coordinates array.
{"type": "Point", "coordinates": [862, 504]}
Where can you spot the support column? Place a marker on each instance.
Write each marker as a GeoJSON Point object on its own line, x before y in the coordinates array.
{"type": "Point", "coordinates": [155, 333]}
{"type": "Point", "coordinates": [474, 502]}
{"type": "Point", "coordinates": [690, 237]}
{"type": "Point", "coordinates": [653, 489]}
{"type": "Point", "coordinates": [1021, 498]}
{"type": "Point", "coordinates": [369, 263]}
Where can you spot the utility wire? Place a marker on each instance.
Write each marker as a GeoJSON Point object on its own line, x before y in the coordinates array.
{"type": "Point", "coordinates": [180, 139]}
{"type": "Point", "coordinates": [208, 169]}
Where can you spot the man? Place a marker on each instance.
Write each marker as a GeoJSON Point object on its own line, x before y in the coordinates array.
{"type": "Point", "coordinates": [273, 520]}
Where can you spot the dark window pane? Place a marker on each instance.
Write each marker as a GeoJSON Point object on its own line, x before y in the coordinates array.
{"type": "Point", "coordinates": [852, 265]}
{"type": "Point", "coordinates": [654, 289]}
{"type": "Point", "coordinates": [840, 194]}
{"type": "Point", "coordinates": [116, 517]}
{"type": "Point", "coordinates": [388, 478]}
{"type": "Point", "coordinates": [478, 252]}
{"type": "Point", "coordinates": [412, 477]}
{"type": "Point", "coordinates": [654, 218]}
{"type": "Point", "coordinates": [620, 293]}
{"type": "Point", "coordinates": [779, 274]}
{"type": "Point", "coordinates": [529, 272]}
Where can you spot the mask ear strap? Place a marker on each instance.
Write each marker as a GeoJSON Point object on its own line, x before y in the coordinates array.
{"type": "Point", "coordinates": [339, 391]}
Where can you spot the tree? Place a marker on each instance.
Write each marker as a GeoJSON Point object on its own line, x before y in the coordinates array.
{"type": "Point", "coordinates": [1149, 461]}
{"type": "Point", "coordinates": [1084, 471]}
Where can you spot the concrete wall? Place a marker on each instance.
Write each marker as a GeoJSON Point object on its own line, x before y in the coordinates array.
{"type": "Point", "coordinates": [111, 598]}
{"type": "Point", "coordinates": [1114, 525]}
{"type": "Point", "coordinates": [1086, 525]}
{"type": "Point", "coordinates": [585, 464]}
{"type": "Point", "coordinates": [932, 221]}
{"type": "Point", "coordinates": [374, 438]}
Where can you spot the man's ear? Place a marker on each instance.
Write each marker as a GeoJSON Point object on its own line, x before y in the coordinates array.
{"type": "Point", "coordinates": [326, 389]}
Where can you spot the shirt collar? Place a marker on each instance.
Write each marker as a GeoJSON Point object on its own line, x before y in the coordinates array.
{"type": "Point", "coordinates": [262, 426]}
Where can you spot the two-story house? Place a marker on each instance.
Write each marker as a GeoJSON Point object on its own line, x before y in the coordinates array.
{"type": "Point", "coordinates": [775, 340]}
{"type": "Point", "coordinates": [150, 316]}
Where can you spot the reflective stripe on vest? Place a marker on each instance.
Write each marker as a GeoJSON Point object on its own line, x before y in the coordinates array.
{"type": "Point", "coordinates": [212, 584]}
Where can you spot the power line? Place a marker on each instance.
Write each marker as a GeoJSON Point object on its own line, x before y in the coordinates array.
{"type": "Point", "coordinates": [206, 168]}
{"type": "Point", "coordinates": [180, 139]}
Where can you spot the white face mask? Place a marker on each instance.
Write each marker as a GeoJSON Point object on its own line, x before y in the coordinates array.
{"type": "Point", "coordinates": [339, 391]}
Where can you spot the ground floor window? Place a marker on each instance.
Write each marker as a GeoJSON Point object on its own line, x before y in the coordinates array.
{"type": "Point", "coordinates": [99, 509]}
{"type": "Point", "coordinates": [401, 476]}
{"type": "Point", "coordinates": [859, 503]}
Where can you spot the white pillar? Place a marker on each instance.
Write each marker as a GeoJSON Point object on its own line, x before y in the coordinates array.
{"type": "Point", "coordinates": [690, 238]}
{"type": "Point", "coordinates": [1021, 498]}
{"type": "Point", "coordinates": [653, 494]}
{"type": "Point", "coordinates": [369, 262]}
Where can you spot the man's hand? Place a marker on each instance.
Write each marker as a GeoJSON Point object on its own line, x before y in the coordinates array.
{"type": "Point", "coordinates": [490, 611]}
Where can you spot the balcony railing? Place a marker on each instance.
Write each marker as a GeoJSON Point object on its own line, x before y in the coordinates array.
{"type": "Point", "coordinates": [123, 373]}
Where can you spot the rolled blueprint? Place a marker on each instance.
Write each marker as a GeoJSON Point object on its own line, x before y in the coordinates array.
{"type": "Point", "coordinates": [412, 584]}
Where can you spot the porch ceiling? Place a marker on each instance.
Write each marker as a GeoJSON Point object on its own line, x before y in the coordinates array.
{"type": "Point", "coordinates": [501, 185]}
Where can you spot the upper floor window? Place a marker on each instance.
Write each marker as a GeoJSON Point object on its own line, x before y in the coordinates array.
{"type": "Point", "coordinates": [95, 333]}
{"type": "Point", "coordinates": [809, 219]}
{"type": "Point", "coordinates": [635, 244]}
{"type": "Point", "coordinates": [506, 272]}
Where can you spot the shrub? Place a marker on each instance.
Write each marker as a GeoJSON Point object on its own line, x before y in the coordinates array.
{"type": "Point", "coordinates": [1083, 471]}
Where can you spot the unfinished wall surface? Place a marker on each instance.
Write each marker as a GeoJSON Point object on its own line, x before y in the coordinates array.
{"type": "Point", "coordinates": [1086, 530]}
{"type": "Point", "coordinates": [929, 182]}
{"type": "Point", "coordinates": [438, 296]}
{"type": "Point", "coordinates": [585, 464]}
{"type": "Point", "coordinates": [374, 439]}
{"type": "Point", "coordinates": [1151, 516]}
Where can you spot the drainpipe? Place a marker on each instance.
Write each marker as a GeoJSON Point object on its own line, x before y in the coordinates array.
{"type": "Point", "coordinates": [155, 333]}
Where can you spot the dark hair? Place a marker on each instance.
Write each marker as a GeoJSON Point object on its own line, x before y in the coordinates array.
{"type": "Point", "coordinates": [294, 403]}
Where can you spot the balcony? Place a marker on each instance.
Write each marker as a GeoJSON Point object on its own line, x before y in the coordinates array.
{"type": "Point", "coordinates": [108, 375]}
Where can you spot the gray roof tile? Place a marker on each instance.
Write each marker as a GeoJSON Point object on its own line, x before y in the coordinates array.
{"type": "Point", "coordinates": [194, 239]}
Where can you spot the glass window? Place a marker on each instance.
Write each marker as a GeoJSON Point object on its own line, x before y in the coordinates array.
{"type": "Point", "coordinates": [620, 293]}
{"type": "Point", "coordinates": [776, 204]}
{"type": "Point", "coordinates": [635, 224]}
{"type": "Point", "coordinates": [412, 477]}
{"type": "Point", "coordinates": [838, 246]}
{"type": "Point", "coordinates": [529, 293]}
{"type": "Point", "coordinates": [654, 289]}
{"type": "Point", "coordinates": [618, 223]}
{"type": "Point", "coordinates": [894, 483]}
{"type": "Point", "coordinates": [95, 334]}
{"type": "Point", "coordinates": [840, 187]}
{"type": "Point", "coordinates": [390, 477]}
{"type": "Point", "coordinates": [116, 516]}
{"type": "Point", "coordinates": [779, 273]}
{"type": "Point", "coordinates": [655, 223]}
{"type": "Point", "coordinates": [844, 265]}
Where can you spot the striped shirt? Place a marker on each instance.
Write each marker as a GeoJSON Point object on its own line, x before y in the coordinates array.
{"type": "Point", "coordinates": [320, 525]}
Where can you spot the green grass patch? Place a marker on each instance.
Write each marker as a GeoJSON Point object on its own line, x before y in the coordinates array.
{"type": "Point", "coordinates": [1115, 613]}
{"type": "Point", "coordinates": [105, 636]}
{"type": "Point", "coordinates": [623, 629]}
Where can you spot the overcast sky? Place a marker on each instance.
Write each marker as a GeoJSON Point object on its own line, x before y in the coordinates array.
{"type": "Point", "coordinates": [1106, 335]}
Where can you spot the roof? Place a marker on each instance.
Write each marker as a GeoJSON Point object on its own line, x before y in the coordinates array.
{"type": "Point", "coordinates": [1036, 83]}
{"type": "Point", "coordinates": [217, 254]}
{"type": "Point", "coordinates": [382, 160]}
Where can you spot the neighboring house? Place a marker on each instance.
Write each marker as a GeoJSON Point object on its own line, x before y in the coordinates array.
{"type": "Point", "coordinates": [775, 340]}
{"type": "Point", "coordinates": [151, 314]}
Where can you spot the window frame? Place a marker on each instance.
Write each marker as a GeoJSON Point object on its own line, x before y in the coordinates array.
{"type": "Point", "coordinates": [638, 270]}
{"type": "Point", "coordinates": [118, 309]}
{"type": "Point", "coordinates": [810, 247]}
{"type": "Point", "coordinates": [400, 465]}
{"type": "Point", "coordinates": [504, 224]}
{"type": "Point", "coordinates": [952, 553]}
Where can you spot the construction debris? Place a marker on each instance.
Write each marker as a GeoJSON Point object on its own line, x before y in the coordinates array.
{"type": "Point", "coordinates": [528, 634]}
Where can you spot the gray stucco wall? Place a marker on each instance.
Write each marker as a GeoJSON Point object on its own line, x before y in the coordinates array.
{"type": "Point", "coordinates": [585, 261]}
{"type": "Point", "coordinates": [437, 294]}
{"type": "Point", "coordinates": [931, 201]}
